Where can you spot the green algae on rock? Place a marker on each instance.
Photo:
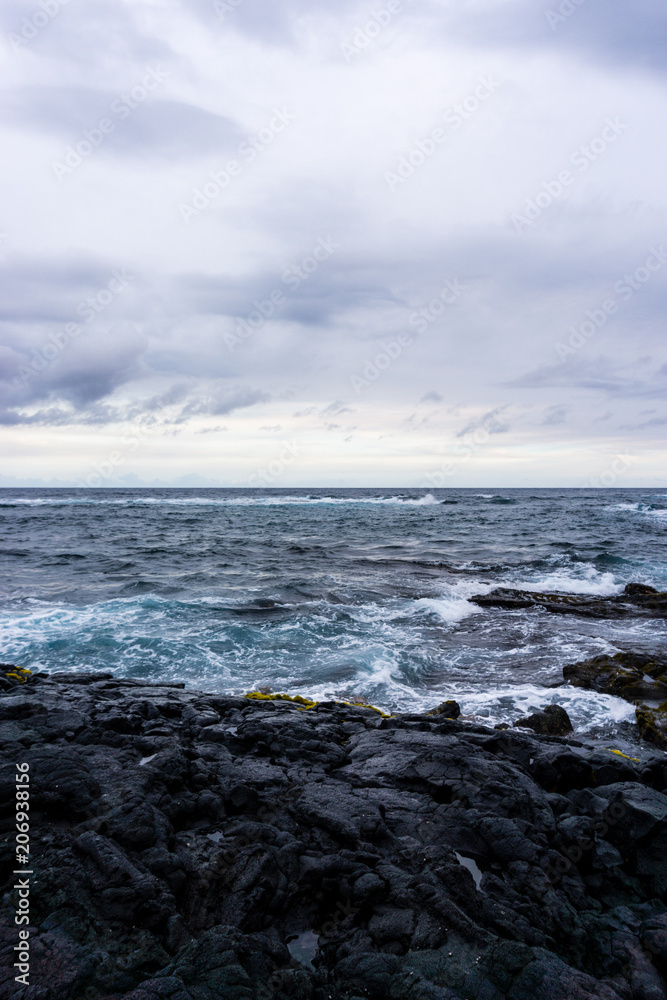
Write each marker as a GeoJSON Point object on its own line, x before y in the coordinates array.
{"type": "Point", "coordinates": [652, 724]}
{"type": "Point", "coordinates": [627, 675]}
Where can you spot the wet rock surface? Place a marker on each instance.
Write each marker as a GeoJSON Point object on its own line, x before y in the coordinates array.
{"type": "Point", "coordinates": [552, 720]}
{"type": "Point", "coordinates": [201, 847]}
{"type": "Point", "coordinates": [627, 675]}
{"type": "Point", "coordinates": [448, 710]}
{"type": "Point", "coordinates": [638, 678]}
{"type": "Point", "coordinates": [637, 599]}
{"type": "Point", "coordinates": [652, 724]}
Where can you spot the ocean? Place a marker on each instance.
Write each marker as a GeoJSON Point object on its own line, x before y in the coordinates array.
{"type": "Point", "coordinates": [332, 593]}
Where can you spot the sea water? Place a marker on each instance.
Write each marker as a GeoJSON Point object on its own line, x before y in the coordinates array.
{"type": "Point", "coordinates": [331, 593]}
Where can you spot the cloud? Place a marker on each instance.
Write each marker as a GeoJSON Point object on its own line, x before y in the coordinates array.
{"type": "Point", "coordinates": [639, 378]}
{"type": "Point", "coordinates": [141, 127]}
{"type": "Point", "coordinates": [158, 353]}
{"type": "Point", "coordinates": [170, 410]}
{"type": "Point", "coordinates": [554, 415]}
{"type": "Point", "coordinates": [614, 32]}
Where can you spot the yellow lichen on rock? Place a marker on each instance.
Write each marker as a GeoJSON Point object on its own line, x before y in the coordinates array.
{"type": "Point", "coordinates": [258, 696]}
{"type": "Point", "coordinates": [306, 703]}
{"type": "Point", "coordinates": [619, 754]}
{"type": "Point", "coordinates": [365, 704]}
{"type": "Point", "coordinates": [19, 673]}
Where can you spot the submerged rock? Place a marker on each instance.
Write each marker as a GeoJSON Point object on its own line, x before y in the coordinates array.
{"type": "Point", "coordinates": [637, 599]}
{"type": "Point", "coordinates": [552, 720]}
{"type": "Point", "coordinates": [448, 709]}
{"type": "Point", "coordinates": [627, 675]}
{"type": "Point", "coordinates": [192, 847]}
{"type": "Point", "coordinates": [652, 724]}
{"type": "Point", "coordinates": [637, 677]}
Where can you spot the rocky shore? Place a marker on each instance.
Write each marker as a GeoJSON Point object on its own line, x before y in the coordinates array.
{"type": "Point", "coordinates": [637, 599]}
{"type": "Point", "coordinates": [199, 847]}
{"type": "Point", "coordinates": [638, 678]}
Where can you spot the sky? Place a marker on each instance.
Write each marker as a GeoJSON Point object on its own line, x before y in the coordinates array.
{"type": "Point", "coordinates": [415, 243]}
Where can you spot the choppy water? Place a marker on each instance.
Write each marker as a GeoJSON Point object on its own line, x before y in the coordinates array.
{"type": "Point", "coordinates": [330, 593]}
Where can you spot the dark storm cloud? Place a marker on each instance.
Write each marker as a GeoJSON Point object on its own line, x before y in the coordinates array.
{"type": "Point", "coordinates": [97, 35]}
{"type": "Point", "coordinates": [160, 352]}
{"type": "Point", "coordinates": [158, 128]}
{"type": "Point", "coordinates": [42, 288]}
{"type": "Point", "coordinates": [508, 273]}
{"type": "Point", "coordinates": [310, 299]}
{"type": "Point", "coordinates": [639, 378]}
{"type": "Point", "coordinates": [93, 412]}
{"type": "Point", "coordinates": [615, 32]}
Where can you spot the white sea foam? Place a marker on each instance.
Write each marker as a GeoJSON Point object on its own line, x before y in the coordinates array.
{"type": "Point", "coordinates": [428, 500]}
{"type": "Point", "coordinates": [582, 579]}
{"type": "Point", "coordinates": [639, 507]}
{"type": "Point", "coordinates": [454, 605]}
{"type": "Point", "coordinates": [587, 709]}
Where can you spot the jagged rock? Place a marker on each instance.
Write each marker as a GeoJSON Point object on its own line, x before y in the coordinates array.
{"type": "Point", "coordinates": [627, 675]}
{"type": "Point", "coordinates": [448, 709]}
{"type": "Point", "coordinates": [639, 589]}
{"type": "Point", "coordinates": [652, 724]}
{"type": "Point", "coordinates": [552, 720]}
{"type": "Point", "coordinates": [417, 857]}
{"type": "Point", "coordinates": [637, 599]}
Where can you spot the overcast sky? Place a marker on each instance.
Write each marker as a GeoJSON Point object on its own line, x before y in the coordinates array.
{"type": "Point", "coordinates": [297, 242]}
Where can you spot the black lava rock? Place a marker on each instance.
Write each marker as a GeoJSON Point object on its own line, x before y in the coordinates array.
{"type": "Point", "coordinates": [552, 720]}
{"type": "Point", "coordinates": [637, 599]}
{"type": "Point", "coordinates": [194, 847]}
{"type": "Point", "coordinates": [448, 709]}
